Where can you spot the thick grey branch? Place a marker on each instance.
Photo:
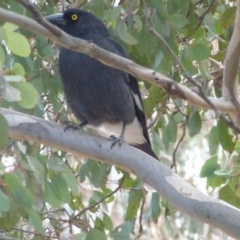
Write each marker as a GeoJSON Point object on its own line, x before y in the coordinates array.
{"type": "Point", "coordinates": [230, 81]}
{"type": "Point", "coordinates": [230, 86]}
{"type": "Point", "coordinates": [116, 61]}
{"type": "Point", "coordinates": [181, 194]}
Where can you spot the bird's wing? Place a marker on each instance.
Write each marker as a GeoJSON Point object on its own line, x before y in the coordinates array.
{"type": "Point", "coordinates": [133, 86]}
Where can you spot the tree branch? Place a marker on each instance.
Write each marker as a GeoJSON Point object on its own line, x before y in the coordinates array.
{"type": "Point", "coordinates": [116, 61]}
{"type": "Point", "coordinates": [178, 192]}
{"type": "Point", "coordinates": [230, 82]}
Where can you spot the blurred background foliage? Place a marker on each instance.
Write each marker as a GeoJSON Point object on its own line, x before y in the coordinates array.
{"type": "Point", "coordinates": [48, 193]}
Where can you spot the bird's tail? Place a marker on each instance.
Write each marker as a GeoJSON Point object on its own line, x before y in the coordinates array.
{"type": "Point", "coordinates": [145, 147]}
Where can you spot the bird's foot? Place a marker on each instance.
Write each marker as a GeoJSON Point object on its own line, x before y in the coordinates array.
{"type": "Point", "coordinates": [116, 140]}
{"type": "Point", "coordinates": [73, 126]}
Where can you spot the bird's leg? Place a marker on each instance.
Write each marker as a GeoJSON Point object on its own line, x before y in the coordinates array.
{"type": "Point", "coordinates": [74, 126]}
{"type": "Point", "coordinates": [119, 139]}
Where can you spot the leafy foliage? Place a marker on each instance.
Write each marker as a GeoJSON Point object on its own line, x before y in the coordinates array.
{"type": "Point", "coordinates": [53, 192]}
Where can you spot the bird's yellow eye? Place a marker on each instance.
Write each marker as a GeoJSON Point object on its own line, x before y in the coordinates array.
{"type": "Point", "coordinates": [74, 17]}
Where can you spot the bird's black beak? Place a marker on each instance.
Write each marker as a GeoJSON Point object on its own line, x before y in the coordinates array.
{"type": "Point", "coordinates": [56, 19]}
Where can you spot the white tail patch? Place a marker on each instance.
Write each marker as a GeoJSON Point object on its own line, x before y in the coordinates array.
{"type": "Point", "coordinates": [137, 101]}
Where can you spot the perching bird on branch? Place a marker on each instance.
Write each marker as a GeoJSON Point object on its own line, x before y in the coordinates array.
{"type": "Point", "coordinates": [104, 98]}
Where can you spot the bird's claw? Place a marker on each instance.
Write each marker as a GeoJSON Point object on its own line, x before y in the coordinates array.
{"type": "Point", "coordinates": [70, 125]}
{"type": "Point", "coordinates": [116, 140]}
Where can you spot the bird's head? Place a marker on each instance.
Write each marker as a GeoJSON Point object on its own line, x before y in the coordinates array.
{"type": "Point", "coordinates": [78, 23]}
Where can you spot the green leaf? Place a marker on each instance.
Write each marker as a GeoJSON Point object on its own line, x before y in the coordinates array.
{"type": "Point", "coordinates": [3, 34]}
{"type": "Point", "coordinates": [169, 132]}
{"type": "Point", "coordinates": [115, 13]}
{"type": "Point", "coordinates": [20, 193]}
{"type": "Point", "coordinates": [49, 195]}
{"type": "Point", "coordinates": [5, 202]}
{"type": "Point", "coordinates": [95, 234]}
{"type": "Point", "coordinates": [9, 219]}
{"type": "Point", "coordinates": [223, 172]}
{"type": "Point", "coordinates": [155, 97]}
{"type": "Point", "coordinates": [29, 95]}
{"type": "Point", "coordinates": [199, 33]}
{"type": "Point", "coordinates": [134, 200]}
{"type": "Point", "coordinates": [107, 221]}
{"type": "Point", "coordinates": [48, 52]}
{"type": "Point", "coordinates": [96, 172]}
{"type": "Point", "coordinates": [99, 174]}
{"type": "Point", "coordinates": [71, 181]}
{"type": "Point", "coordinates": [194, 123]}
{"type": "Point", "coordinates": [228, 17]}
{"type": "Point", "coordinates": [209, 167]}
{"type": "Point", "coordinates": [123, 34]}
{"type": "Point", "coordinates": [188, 64]}
{"type": "Point", "coordinates": [213, 141]}
{"type": "Point", "coordinates": [155, 207]}
{"type": "Point", "coordinates": [3, 132]}
{"type": "Point", "coordinates": [56, 164]}
{"type": "Point", "coordinates": [137, 22]}
{"type": "Point", "coordinates": [214, 180]}
{"type": "Point", "coordinates": [157, 62]}
{"type": "Point", "coordinates": [37, 167]}
{"type": "Point", "coordinates": [2, 55]}
{"type": "Point", "coordinates": [18, 69]}
{"type": "Point", "coordinates": [123, 231]}
{"type": "Point", "coordinates": [9, 27]}
{"type": "Point", "coordinates": [10, 93]}
{"type": "Point", "coordinates": [60, 188]}
{"type": "Point", "coordinates": [224, 137]}
{"type": "Point", "coordinates": [35, 220]}
{"type": "Point", "coordinates": [234, 180]}
{"type": "Point", "coordinates": [177, 21]}
{"type": "Point", "coordinates": [200, 52]}
{"type": "Point", "coordinates": [14, 78]}
{"type": "Point", "coordinates": [173, 129]}
{"type": "Point", "coordinates": [227, 194]}
{"type": "Point", "coordinates": [18, 44]}
{"type": "Point", "coordinates": [99, 224]}
{"type": "Point", "coordinates": [80, 236]}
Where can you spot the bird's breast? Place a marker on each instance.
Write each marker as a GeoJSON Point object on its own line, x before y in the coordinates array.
{"type": "Point", "coordinates": [133, 132]}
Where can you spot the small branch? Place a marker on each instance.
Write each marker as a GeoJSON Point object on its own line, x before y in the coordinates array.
{"type": "Point", "coordinates": [100, 201]}
{"type": "Point", "coordinates": [4, 237]}
{"type": "Point", "coordinates": [173, 164]}
{"type": "Point", "coordinates": [38, 17]}
{"type": "Point", "coordinates": [201, 18]}
{"type": "Point", "coordinates": [230, 82]}
{"type": "Point", "coordinates": [159, 112]}
{"type": "Point", "coordinates": [34, 233]}
{"type": "Point", "coordinates": [162, 40]}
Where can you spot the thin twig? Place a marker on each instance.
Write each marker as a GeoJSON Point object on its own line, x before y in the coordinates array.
{"type": "Point", "coordinates": [38, 17]}
{"type": "Point", "coordinates": [173, 164]}
{"type": "Point", "coordinates": [201, 18]}
{"type": "Point", "coordinates": [159, 112]}
{"type": "Point", "coordinates": [100, 201]}
{"type": "Point", "coordinates": [140, 219]}
{"type": "Point", "coordinates": [35, 233]}
{"type": "Point", "coordinates": [160, 38]}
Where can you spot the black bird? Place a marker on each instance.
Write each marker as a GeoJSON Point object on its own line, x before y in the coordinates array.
{"type": "Point", "coordinates": [104, 98]}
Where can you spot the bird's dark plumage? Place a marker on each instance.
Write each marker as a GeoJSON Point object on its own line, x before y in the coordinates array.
{"type": "Point", "coordinates": [106, 98]}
